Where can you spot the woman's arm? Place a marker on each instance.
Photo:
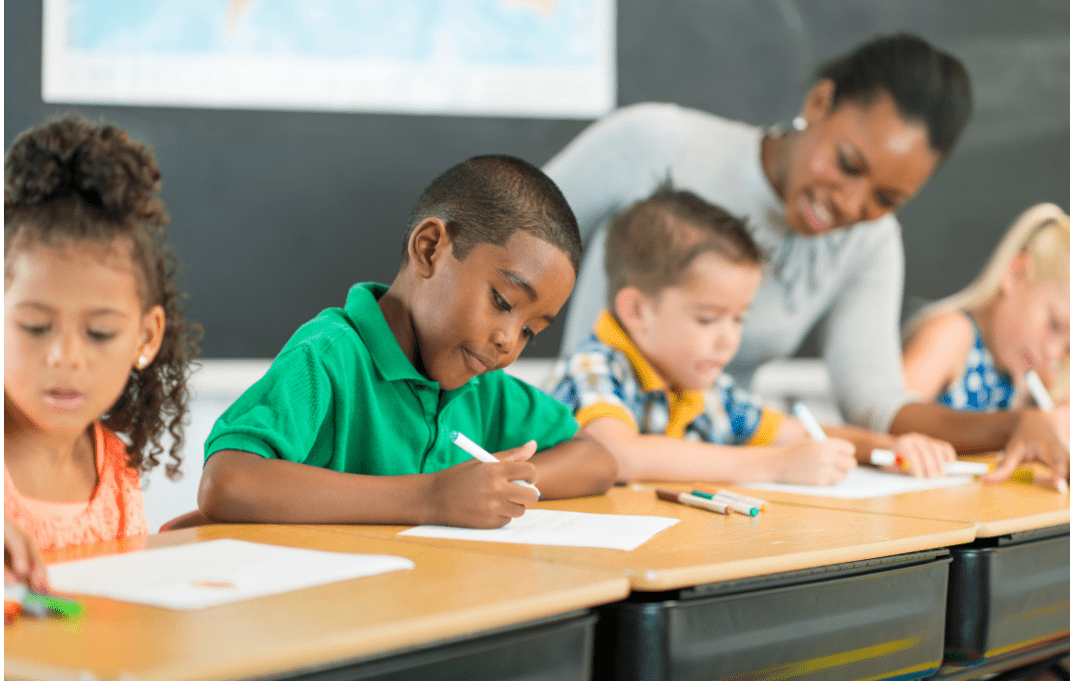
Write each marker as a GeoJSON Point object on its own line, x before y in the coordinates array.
{"type": "Point", "coordinates": [862, 350]}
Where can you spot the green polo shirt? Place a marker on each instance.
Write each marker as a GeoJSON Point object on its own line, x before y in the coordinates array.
{"type": "Point", "coordinates": [342, 395]}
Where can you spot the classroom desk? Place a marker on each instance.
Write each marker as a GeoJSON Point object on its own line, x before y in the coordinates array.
{"type": "Point", "coordinates": [443, 619]}
{"type": "Point", "coordinates": [797, 592]}
{"type": "Point", "coordinates": [1009, 591]}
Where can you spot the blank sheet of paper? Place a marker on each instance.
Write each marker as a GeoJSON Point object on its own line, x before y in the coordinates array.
{"type": "Point", "coordinates": [864, 482]}
{"type": "Point", "coordinates": [214, 572]}
{"type": "Point", "coordinates": [560, 528]}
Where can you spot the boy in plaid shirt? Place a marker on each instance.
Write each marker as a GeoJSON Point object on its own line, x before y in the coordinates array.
{"type": "Point", "coordinates": [647, 383]}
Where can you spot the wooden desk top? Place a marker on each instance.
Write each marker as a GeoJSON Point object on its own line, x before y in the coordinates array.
{"type": "Point", "coordinates": [707, 547]}
{"type": "Point", "coordinates": [450, 593]}
{"type": "Point", "coordinates": [993, 509]}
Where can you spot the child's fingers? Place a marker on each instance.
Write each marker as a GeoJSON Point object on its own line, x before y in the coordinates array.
{"type": "Point", "coordinates": [1012, 458]}
{"type": "Point", "coordinates": [521, 453]}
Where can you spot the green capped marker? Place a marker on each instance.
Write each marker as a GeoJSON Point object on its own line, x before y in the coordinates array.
{"type": "Point", "coordinates": [42, 604]}
{"type": "Point", "coordinates": [732, 503]}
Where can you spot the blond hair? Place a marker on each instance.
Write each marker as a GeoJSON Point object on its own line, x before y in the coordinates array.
{"type": "Point", "coordinates": [1042, 232]}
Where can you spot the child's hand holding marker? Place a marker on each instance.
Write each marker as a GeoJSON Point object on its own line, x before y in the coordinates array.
{"type": "Point", "coordinates": [823, 461]}
{"type": "Point", "coordinates": [884, 457]}
{"type": "Point", "coordinates": [471, 494]}
{"type": "Point", "coordinates": [1022, 448]}
{"type": "Point", "coordinates": [483, 455]}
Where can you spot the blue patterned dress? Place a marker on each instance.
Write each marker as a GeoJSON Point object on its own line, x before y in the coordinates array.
{"type": "Point", "coordinates": [981, 387]}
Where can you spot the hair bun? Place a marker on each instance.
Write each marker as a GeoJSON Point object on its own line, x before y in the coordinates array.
{"type": "Point", "coordinates": [100, 164]}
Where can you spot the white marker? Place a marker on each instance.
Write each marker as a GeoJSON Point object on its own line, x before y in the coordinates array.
{"type": "Point", "coordinates": [477, 452]}
{"type": "Point", "coordinates": [884, 457]}
{"type": "Point", "coordinates": [1038, 391]}
{"type": "Point", "coordinates": [1044, 401]}
{"type": "Point", "coordinates": [809, 422]}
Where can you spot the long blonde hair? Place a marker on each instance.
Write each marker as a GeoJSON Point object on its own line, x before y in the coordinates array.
{"type": "Point", "coordinates": [1043, 232]}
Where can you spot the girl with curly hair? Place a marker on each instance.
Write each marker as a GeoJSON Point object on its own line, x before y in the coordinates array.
{"type": "Point", "coordinates": [96, 351]}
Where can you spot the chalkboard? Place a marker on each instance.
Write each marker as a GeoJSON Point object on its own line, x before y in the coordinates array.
{"type": "Point", "coordinates": [275, 214]}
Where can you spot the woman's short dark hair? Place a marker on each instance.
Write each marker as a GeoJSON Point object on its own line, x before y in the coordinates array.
{"type": "Point", "coordinates": [928, 85]}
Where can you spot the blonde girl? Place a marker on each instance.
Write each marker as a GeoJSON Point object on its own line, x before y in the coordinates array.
{"type": "Point", "coordinates": [972, 350]}
{"type": "Point", "coordinates": [96, 352]}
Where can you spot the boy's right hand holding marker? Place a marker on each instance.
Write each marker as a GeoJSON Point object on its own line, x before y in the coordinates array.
{"type": "Point", "coordinates": [816, 462]}
{"type": "Point", "coordinates": [482, 495]}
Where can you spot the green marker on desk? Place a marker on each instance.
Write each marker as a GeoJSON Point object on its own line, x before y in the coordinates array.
{"type": "Point", "coordinates": [736, 505]}
{"type": "Point", "coordinates": [34, 603]}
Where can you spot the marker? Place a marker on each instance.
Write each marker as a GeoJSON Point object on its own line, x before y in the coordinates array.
{"type": "Point", "coordinates": [691, 500]}
{"type": "Point", "coordinates": [753, 501]}
{"type": "Point", "coordinates": [809, 422]}
{"type": "Point", "coordinates": [884, 457]}
{"type": "Point", "coordinates": [34, 603]}
{"type": "Point", "coordinates": [1044, 401]}
{"type": "Point", "coordinates": [483, 455]}
{"type": "Point", "coordinates": [736, 505]}
{"type": "Point", "coordinates": [1038, 391]}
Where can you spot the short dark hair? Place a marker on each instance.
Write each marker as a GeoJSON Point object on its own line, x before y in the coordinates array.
{"type": "Point", "coordinates": [71, 181]}
{"type": "Point", "coordinates": [486, 199]}
{"type": "Point", "coordinates": [927, 85]}
{"type": "Point", "coordinates": [651, 243]}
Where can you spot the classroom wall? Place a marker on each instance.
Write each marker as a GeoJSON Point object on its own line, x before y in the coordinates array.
{"type": "Point", "coordinates": [275, 214]}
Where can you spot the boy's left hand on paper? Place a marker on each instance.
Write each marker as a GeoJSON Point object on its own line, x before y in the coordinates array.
{"type": "Point", "coordinates": [923, 456]}
{"type": "Point", "coordinates": [482, 495]}
{"type": "Point", "coordinates": [22, 561]}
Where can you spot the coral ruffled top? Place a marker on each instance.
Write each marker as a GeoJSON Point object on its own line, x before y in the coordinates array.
{"type": "Point", "coordinates": [116, 509]}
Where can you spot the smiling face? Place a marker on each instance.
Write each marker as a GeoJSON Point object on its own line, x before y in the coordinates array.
{"type": "Point", "coordinates": [690, 331]}
{"type": "Point", "coordinates": [475, 315]}
{"type": "Point", "coordinates": [74, 328]}
{"type": "Point", "coordinates": [852, 163]}
{"type": "Point", "coordinates": [1031, 321]}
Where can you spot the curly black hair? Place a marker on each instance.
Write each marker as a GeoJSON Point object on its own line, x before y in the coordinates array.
{"type": "Point", "coordinates": [73, 181]}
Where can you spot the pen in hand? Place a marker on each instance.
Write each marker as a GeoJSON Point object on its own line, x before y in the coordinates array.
{"type": "Point", "coordinates": [483, 455]}
{"type": "Point", "coordinates": [1046, 404]}
{"type": "Point", "coordinates": [809, 422]}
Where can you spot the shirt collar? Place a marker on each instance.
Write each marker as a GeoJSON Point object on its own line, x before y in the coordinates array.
{"type": "Point", "coordinates": [609, 331]}
{"type": "Point", "coordinates": [684, 406]}
{"type": "Point", "coordinates": [765, 199]}
{"type": "Point", "coordinates": [362, 309]}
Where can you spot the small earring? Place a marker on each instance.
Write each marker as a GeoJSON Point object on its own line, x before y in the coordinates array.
{"type": "Point", "coordinates": [799, 123]}
{"type": "Point", "coordinates": [142, 362]}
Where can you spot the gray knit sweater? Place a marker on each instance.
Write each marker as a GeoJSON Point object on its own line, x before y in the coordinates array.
{"type": "Point", "coordinates": [851, 280]}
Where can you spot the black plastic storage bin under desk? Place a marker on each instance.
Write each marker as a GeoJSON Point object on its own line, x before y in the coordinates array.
{"type": "Point", "coordinates": [1007, 594]}
{"type": "Point", "coordinates": [878, 619]}
{"type": "Point", "coordinates": [550, 649]}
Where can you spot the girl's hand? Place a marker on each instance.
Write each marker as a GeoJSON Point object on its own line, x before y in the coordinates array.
{"type": "Point", "coordinates": [22, 560]}
{"type": "Point", "coordinates": [924, 456]}
{"type": "Point", "coordinates": [1035, 439]}
{"type": "Point", "coordinates": [1060, 421]}
{"type": "Point", "coordinates": [482, 495]}
{"type": "Point", "coordinates": [808, 462]}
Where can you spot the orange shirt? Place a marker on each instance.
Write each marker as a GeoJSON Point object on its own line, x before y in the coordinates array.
{"type": "Point", "coordinates": [115, 510]}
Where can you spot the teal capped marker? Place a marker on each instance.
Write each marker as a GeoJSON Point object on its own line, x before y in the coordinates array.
{"type": "Point", "coordinates": [736, 505]}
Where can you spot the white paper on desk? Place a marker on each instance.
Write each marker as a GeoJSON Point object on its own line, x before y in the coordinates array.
{"type": "Point", "coordinates": [864, 482]}
{"type": "Point", "coordinates": [214, 572]}
{"type": "Point", "coordinates": [560, 528]}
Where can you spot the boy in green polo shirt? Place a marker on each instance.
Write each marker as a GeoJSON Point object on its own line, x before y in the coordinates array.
{"type": "Point", "coordinates": [352, 422]}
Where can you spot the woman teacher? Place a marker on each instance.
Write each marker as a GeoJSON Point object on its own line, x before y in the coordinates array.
{"type": "Point", "coordinates": [820, 198]}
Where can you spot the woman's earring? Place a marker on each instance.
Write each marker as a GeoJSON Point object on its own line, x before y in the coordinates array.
{"type": "Point", "coordinates": [142, 362]}
{"type": "Point", "coordinates": [799, 123]}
